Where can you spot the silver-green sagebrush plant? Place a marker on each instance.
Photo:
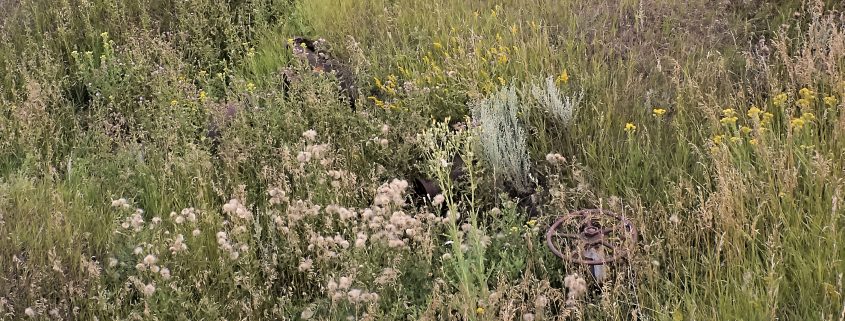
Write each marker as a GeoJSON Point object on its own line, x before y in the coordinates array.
{"type": "Point", "coordinates": [503, 139]}
{"type": "Point", "coordinates": [550, 99]}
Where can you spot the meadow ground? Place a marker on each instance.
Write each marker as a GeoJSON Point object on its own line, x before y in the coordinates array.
{"type": "Point", "coordinates": [717, 127]}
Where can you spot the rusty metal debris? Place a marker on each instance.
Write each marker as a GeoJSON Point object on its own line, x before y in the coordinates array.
{"type": "Point", "coordinates": [592, 237]}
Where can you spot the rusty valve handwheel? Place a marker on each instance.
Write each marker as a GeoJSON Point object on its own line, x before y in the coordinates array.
{"type": "Point", "coordinates": [592, 237]}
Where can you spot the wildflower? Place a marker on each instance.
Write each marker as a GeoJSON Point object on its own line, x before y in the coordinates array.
{"type": "Point", "coordinates": [563, 78]}
{"type": "Point", "coordinates": [541, 301]}
{"type": "Point", "coordinates": [119, 202]}
{"type": "Point", "coordinates": [745, 130]}
{"type": "Point", "coordinates": [728, 112]}
{"type": "Point", "coordinates": [479, 311]}
{"type": "Point", "coordinates": [803, 103]}
{"type": "Point", "coordinates": [150, 259]}
{"type": "Point", "coordinates": [674, 219]}
{"type": "Point", "coordinates": [383, 142]}
{"type": "Point", "coordinates": [555, 159]}
{"type": "Point", "coordinates": [305, 265]}
{"type": "Point", "coordinates": [630, 127]}
{"type": "Point", "coordinates": [303, 157]}
{"type": "Point", "coordinates": [831, 101]}
{"type": "Point", "coordinates": [754, 112]}
{"type": "Point", "coordinates": [290, 41]}
{"type": "Point", "coordinates": [165, 273]}
{"type": "Point", "coordinates": [728, 120]}
{"type": "Point", "coordinates": [178, 244]}
{"type": "Point", "coordinates": [797, 123]}
{"type": "Point", "coordinates": [29, 312]}
{"type": "Point", "coordinates": [658, 112]}
{"type": "Point", "coordinates": [149, 289]}
{"type": "Point", "coordinates": [808, 117]}
{"type": "Point", "coordinates": [385, 129]}
{"type": "Point", "coordinates": [531, 222]}
{"type": "Point", "coordinates": [735, 139]}
{"type": "Point", "coordinates": [779, 99]}
{"type": "Point", "coordinates": [361, 240]}
{"type": "Point", "coordinates": [767, 118]}
{"type": "Point", "coordinates": [344, 283]}
{"type": "Point", "coordinates": [354, 295]}
{"type": "Point", "coordinates": [112, 262]}
{"type": "Point", "coordinates": [503, 59]}
{"type": "Point", "coordinates": [376, 101]}
{"type": "Point", "coordinates": [753, 141]}
{"type": "Point", "coordinates": [576, 285]}
{"type": "Point", "coordinates": [250, 87]}
{"type": "Point", "coordinates": [807, 94]}
{"type": "Point", "coordinates": [156, 220]}
{"type": "Point", "coordinates": [310, 135]}
{"type": "Point", "coordinates": [438, 199]}
{"type": "Point", "coordinates": [203, 96]}
{"type": "Point", "coordinates": [437, 45]}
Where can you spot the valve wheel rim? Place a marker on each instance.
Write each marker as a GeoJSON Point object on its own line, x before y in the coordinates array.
{"type": "Point", "coordinates": [591, 236]}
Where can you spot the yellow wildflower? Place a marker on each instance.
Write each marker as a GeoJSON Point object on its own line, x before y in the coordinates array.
{"type": "Point", "coordinates": [174, 102]}
{"type": "Point", "coordinates": [803, 103]}
{"type": "Point", "coordinates": [514, 29]}
{"type": "Point", "coordinates": [531, 223]}
{"type": "Point", "coordinates": [728, 120]}
{"type": "Point", "coordinates": [718, 139]}
{"type": "Point", "coordinates": [728, 112]}
{"type": "Point", "coordinates": [779, 99]}
{"type": "Point", "coordinates": [807, 93]}
{"type": "Point", "coordinates": [745, 129]}
{"type": "Point", "coordinates": [752, 141]}
{"type": "Point", "coordinates": [808, 117]}
{"type": "Point", "coordinates": [563, 78]}
{"type": "Point", "coordinates": [503, 59]}
{"type": "Point", "coordinates": [203, 96]}
{"type": "Point", "coordinates": [735, 139]}
{"type": "Point", "coordinates": [630, 127]}
{"type": "Point", "coordinates": [797, 123]}
{"type": "Point", "coordinates": [376, 101]}
{"type": "Point", "coordinates": [657, 112]}
{"type": "Point", "coordinates": [479, 311]}
{"type": "Point", "coordinates": [767, 117]}
{"type": "Point", "coordinates": [290, 41]}
{"type": "Point", "coordinates": [831, 101]}
{"type": "Point", "coordinates": [437, 45]}
{"type": "Point", "coordinates": [754, 112]}
{"type": "Point", "coordinates": [501, 80]}
{"type": "Point", "coordinates": [250, 87]}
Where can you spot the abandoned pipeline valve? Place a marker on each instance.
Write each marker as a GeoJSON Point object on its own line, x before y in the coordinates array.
{"type": "Point", "coordinates": [593, 237]}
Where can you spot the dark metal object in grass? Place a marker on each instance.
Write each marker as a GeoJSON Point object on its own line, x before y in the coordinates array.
{"type": "Point", "coordinates": [320, 61]}
{"type": "Point", "coordinates": [592, 237]}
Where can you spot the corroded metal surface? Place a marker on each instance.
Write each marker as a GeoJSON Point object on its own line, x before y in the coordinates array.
{"type": "Point", "coordinates": [591, 243]}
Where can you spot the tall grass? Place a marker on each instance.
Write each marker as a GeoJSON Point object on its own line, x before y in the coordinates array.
{"type": "Point", "coordinates": [717, 128]}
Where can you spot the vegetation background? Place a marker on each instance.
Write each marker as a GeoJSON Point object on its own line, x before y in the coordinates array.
{"type": "Point", "coordinates": [718, 127]}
